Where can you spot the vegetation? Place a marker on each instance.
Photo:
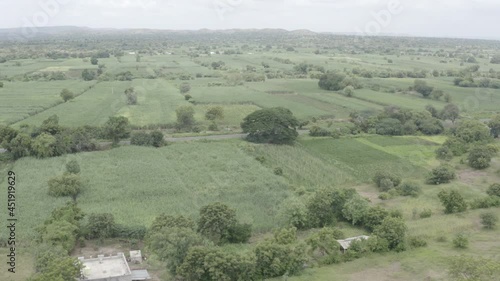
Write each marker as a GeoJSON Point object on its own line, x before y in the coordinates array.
{"type": "Point", "coordinates": [274, 125]}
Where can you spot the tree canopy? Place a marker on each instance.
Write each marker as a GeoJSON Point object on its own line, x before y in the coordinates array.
{"type": "Point", "coordinates": [271, 125]}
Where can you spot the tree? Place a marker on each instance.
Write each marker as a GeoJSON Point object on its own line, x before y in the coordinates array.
{"type": "Point", "coordinates": [60, 232]}
{"type": "Point", "coordinates": [479, 157]}
{"type": "Point", "coordinates": [349, 91]}
{"type": "Point", "coordinates": [61, 268]}
{"type": "Point", "coordinates": [441, 174]}
{"type": "Point", "coordinates": [20, 146]}
{"type": "Point", "coordinates": [1, 84]}
{"type": "Point", "coordinates": [214, 264]}
{"type": "Point", "coordinates": [276, 259]}
{"type": "Point", "coordinates": [157, 139]}
{"type": "Point", "coordinates": [389, 126]}
{"type": "Point", "coordinates": [494, 125]}
{"type": "Point", "coordinates": [131, 96]}
{"type": "Point", "coordinates": [355, 209]}
{"type": "Point", "coordinates": [100, 226]}
{"type": "Point", "coordinates": [185, 117]}
{"type": "Point", "coordinates": [432, 110]}
{"type": "Point", "coordinates": [94, 61]}
{"type": "Point", "coordinates": [294, 212]}
{"type": "Point", "coordinates": [494, 190]}
{"type": "Point", "coordinates": [185, 87]}
{"type": "Point", "coordinates": [45, 254]}
{"type": "Point", "coordinates": [67, 95]}
{"type": "Point", "coordinates": [495, 60]}
{"type": "Point", "coordinates": [271, 125]}
{"type": "Point", "coordinates": [324, 245]}
{"type": "Point", "coordinates": [117, 128]}
{"type": "Point", "coordinates": [421, 87]}
{"type": "Point", "coordinates": [72, 167]}
{"type": "Point", "coordinates": [44, 146]}
{"type": "Point", "coordinates": [450, 112]}
{"type": "Point", "coordinates": [489, 220]}
{"type": "Point", "coordinates": [172, 244]}
{"type": "Point", "coordinates": [374, 217]}
{"type": "Point", "coordinates": [65, 185]}
{"type": "Point", "coordinates": [213, 113]}
{"type": "Point", "coordinates": [465, 268]}
{"type": "Point", "coordinates": [51, 125]}
{"type": "Point", "coordinates": [394, 231]}
{"type": "Point", "coordinates": [332, 81]}
{"type": "Point", "coordinates": [380, 176]}
{"type": "Point", "coordinates": [471, 131]}
{"type": "Point", "coordinates": [437, 94]}
{"type": "Point", "coordinates": [88, 75]}
{"type": "Point", "coordinates": [452, 201]}
{"type": "Point", "coordinates": [215, 221]}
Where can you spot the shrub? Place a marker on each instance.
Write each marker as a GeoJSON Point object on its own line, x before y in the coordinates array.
{"type": "Point", "coordinates": [239, 233]}
{"type": "Point", "coordinates": [213, 127]}
{"type": "Point", "coordinates": [479, 158]}
{"type": "Point", "coordinates": [140, 138]}
{"type": "Point", "coordinates": [444, 153]}
{"type": "Point", "coordinates": [461, 241]}
{"type": "Point", "coordinates": [213, 113]}
{"type": "Point", "coordinates": [72, 167]}
{"type": "Point", "coordinates": [409, 189]}
{"type": "Point", "coordinates": [129, 232]}
{"type": "Point", "coordinates": [380, 176]}
{"type": "Point", "coordinates": [441, 174]}
{"type": "Point", "coordinates": [416, 242]}
{"type": "Point", "coordinates": [317, 131]}
{"type": "Point", "coordinates": [185, 87]}
{"type": "Point", "coordinates": [349, 91]}
{"type": "Point", "coordinates": [278, 171]}
{"type": "Point", "coordinates": [452, 201]}
{"type": "Point", "coordinates": [426, 213]}
{"type": "Point", "coordinates": [485, 203]}
{"type": "Point", "coordinates": [494, 190]}
{"type": "Point", "coordinates": [100, 226]}
{"type": "Point", "coordinates": [489, 220]}
{"type": "Point", "coordinates": [294, 212]}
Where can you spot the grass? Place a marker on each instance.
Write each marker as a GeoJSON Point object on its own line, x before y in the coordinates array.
{"type": "Point", "coordinates": [19, 100]}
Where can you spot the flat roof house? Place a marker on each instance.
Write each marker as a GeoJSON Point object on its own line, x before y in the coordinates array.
{"type": "Point", "coordinates": [111, 268]}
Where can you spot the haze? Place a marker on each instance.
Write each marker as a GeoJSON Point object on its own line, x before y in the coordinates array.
{"type": "Point", "coordinates": [435, 18]}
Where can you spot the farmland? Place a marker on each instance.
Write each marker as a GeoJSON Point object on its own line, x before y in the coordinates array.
{"type": "Point", "coordinates": [377, 118]}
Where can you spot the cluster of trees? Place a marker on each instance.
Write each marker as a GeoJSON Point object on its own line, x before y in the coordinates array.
{"type": "Point", "coordinates": [391, 185]}
{"type": "Point", "coordinates": [48, 140]}
{"type": "Point", "coordinates": [335, 81]}
{"type": "Point", "coordinates": [271, 125]}
{"type": "Point", "coordinates": [395, 121]}
{"type": "Point", "coordinates": [472, 137]}
{"type": "Point", "coordinates": [180, 241]}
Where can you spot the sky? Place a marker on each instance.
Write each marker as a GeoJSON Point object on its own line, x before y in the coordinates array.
{"type": "Point", "coordinates": [435, 18]}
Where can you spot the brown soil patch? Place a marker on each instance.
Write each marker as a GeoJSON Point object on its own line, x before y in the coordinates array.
{"type": "Point", "coordinates": [471, 176]}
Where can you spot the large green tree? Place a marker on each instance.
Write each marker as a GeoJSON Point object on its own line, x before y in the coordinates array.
{"type": "Point", "coordinates": [65, 185]}
{"type": "Point", "coordinates": [271, 125]}
{"type": "Point", "coordinates": [117, 128]}
{"type": "Point", "coordinates": [215, 221]}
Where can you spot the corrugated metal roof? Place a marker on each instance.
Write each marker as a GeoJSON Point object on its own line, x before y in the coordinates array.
{"type": "Point", "coordinates": [346, 243]}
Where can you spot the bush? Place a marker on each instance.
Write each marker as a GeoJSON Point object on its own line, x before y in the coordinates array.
{"type": "Point", "coordinates": [72, 167]}
{"type": "Point", "coordinates": [129, 232]}
{"type": "Point", "coordinates": [239, 233]}
{"type": "Point", "coordinates": [426, 213]}
{"type": "Point", "coordinates": [444, 153]}
{"type": "Point", "coordinates": [140, 139]}
{"type": "Point", "coordinates": [409, 189]}
{"type": "Point", "coordinates": [461, 241]}
{"type": "Point", "coordinates": [494, 190]}
{"type": "Point", "coordinates": [479, 158]}
{"type": "Point", "coordinates": [416, 242]}
{"type": "Point", "coordinates": [100, 226]}
{"type": "Point", "coordinates": [441, 174]}
{"type": "Point", "coordinates": [489, 220]}
{"type": "Point", "coordinates": [452, 201]}
{"type": "Point", "coordinates": [278, 171]}
{"type": "Point", "coordinates": [317, 131]}
{"type": "Point", "coordinates": [382, 179]}
{"type": "Point", "coordinates": [485, 203]}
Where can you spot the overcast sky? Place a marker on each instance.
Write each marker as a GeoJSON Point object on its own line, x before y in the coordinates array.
{"type": "Point", "coordinates": [447, 18]}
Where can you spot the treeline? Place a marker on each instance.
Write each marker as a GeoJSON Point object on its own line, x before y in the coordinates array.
{"type": "Point", "coordinates": [51, 139]}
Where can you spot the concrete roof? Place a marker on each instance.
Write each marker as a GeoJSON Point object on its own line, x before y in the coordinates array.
{"type": "Point", "coordinates": [105, 267]}
{"type": "Point", "coordinates": [346, 243]}
{"type": "Point", "coordinates": [140, 275]}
